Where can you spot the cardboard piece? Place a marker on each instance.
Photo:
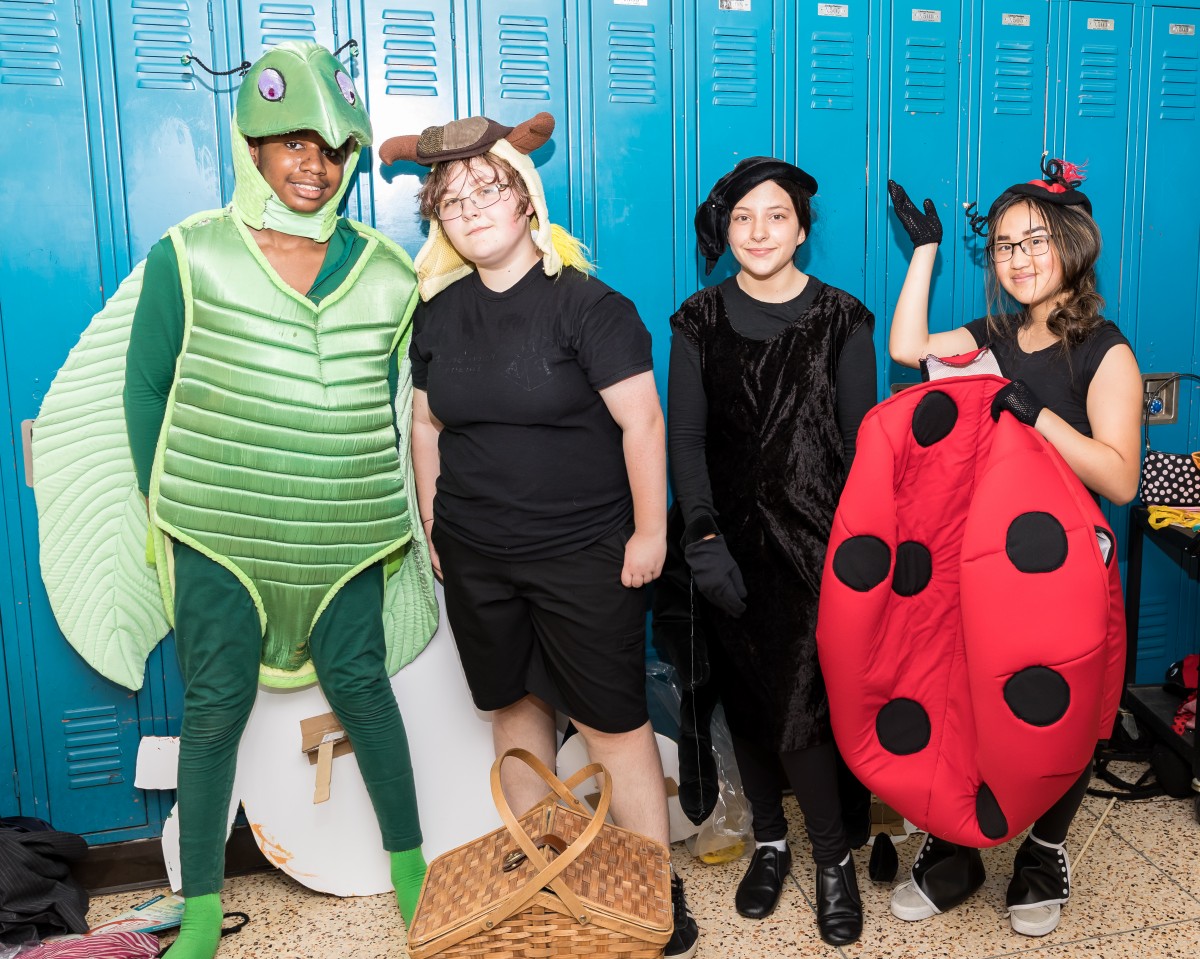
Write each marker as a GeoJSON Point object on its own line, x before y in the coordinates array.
{"type": "Point", "coordinates": [323, 738]}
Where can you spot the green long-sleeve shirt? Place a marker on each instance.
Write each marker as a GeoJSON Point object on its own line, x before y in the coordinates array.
{"type": "Point", "coordinates": [156, 338]}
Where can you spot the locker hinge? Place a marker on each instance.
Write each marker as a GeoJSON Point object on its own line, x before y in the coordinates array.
{"type": "Point", "coordinates": [960, 50]}
{"type": "Point", "coordinates": [772, 41]}
{"type": "Point", "coordinates": [670, 36]}
{"type": "Point", "coordinates": [336, 33]}
{"type": "Point", "coordinates": [564, 31]}
{"type": "Point", "coordinates": [453, 26]}
{"type": "Point", "coordinates": [211, 28]}
{"type": "Point", "coordinates": [78, 14]}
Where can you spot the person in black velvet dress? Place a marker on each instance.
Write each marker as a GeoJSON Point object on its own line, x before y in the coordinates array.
{"type": "Point", "coordinates": [771, 373]}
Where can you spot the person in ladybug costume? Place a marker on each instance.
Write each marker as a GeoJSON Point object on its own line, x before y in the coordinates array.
{"type": "Point", "coordinates": [1074, 380]}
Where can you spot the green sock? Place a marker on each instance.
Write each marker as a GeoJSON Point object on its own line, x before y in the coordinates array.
{"type": "Point", "coordinates": [408, 873]}
{"type": "Point", "coordinates": [200, 931]}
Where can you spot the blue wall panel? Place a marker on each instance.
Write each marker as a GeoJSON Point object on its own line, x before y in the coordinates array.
{"type": "Point", "coordinates": [633, 163]}
{"type": "Point", "coordinates": [737, 97]}
{"type": "Point", "coordinates": [9, 783]}
{"type": "Point", "coordinates": [923, 150]}
{"type": "Point", "coordinates": [832, 137]}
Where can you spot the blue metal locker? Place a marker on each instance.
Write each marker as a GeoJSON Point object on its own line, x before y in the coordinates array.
{"type": "Point", "coordinates": [1009, 125]}
{"type": "Point", "coordinates": [739, 102]}
{"type": "Point", "coordinates": [78, 732]}
{"type": "Point", "coordinates": [1166, 291]}
{"type": "Point", "coordinates": [411, 78]}
{"type": "Point", "coordinates": [923, 149]}
{"type": "Point", "coordinates": [832, 136]}
{"type": "Point", "coordinates": [632, 164]}
{"type": "Point", "coordinates": [9, 783]}
{"type": "Point", "coordinates": [518, 56]}
{"type": "Point", "coordinates": [1094, 125]}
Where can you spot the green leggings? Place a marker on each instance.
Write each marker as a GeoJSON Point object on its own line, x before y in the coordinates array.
{"type": "Point", "coordinates": [218, 640]}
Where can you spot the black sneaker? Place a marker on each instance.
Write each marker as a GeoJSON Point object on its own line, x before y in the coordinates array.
{"type": "Point", "coordinates": [682, 943]}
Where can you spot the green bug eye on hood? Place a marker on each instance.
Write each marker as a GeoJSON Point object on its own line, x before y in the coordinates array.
{"type": "Point", "coordinates": [299, 85]}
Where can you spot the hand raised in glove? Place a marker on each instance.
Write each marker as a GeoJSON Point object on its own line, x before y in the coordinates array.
{"type": "Point", "coordinates": [1019, 400]}
{"type": "Point", "coordinates": [922, 228]}
{"type": "Point", "coordinates": [716, 574]}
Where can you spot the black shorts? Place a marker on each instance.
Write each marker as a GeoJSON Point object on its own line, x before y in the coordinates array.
{"type": "Point", "coordinates": [562, 628]}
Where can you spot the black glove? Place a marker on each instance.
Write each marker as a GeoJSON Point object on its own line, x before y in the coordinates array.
{"type": "Point", "coordinates": [922, 228]}
{"type": "Point", "coordinates": [716, 574]}
{"type": "Point", "coordinates": [1019, 400]}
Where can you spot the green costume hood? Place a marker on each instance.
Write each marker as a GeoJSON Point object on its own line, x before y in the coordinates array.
{"type": "Point", "coordinates": [298, 85]}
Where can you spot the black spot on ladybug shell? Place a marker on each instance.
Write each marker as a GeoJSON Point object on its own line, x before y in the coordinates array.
{"type": "Point", "coordinates": [934, 418]}
{"type": "Point", "coordinates": [914, 568]}
{"type": "Point", "coordinates": [1036, 543]}
{"type": "Point", "coordinates": [902, 726]}
{"type": "Point", "coordinates": [862, 562]}
{"type": "Point", "coordinates": [1037, 695]}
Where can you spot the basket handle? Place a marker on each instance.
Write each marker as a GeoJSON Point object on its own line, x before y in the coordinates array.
{"type": "Point", "coordinates": [549, 873]}
{"type": "Point", "coordinates": [1151, 397]}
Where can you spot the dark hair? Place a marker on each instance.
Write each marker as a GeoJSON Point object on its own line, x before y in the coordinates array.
{"type": "Point", "coordinates": [1076, 240]}
{"type": "Point", "coordinates": [435, 185]}
{"type": "Point", "coordinates": [801, 201]}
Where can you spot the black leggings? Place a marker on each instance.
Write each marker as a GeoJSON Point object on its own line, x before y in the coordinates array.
{"type": "Point", "coordinates": [1054, 823]}
{"type": "Point", "coordinates": [813, 775]}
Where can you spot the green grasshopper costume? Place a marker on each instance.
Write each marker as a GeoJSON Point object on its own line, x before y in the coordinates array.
{"type": "Point", "coordinates": [279, 495]}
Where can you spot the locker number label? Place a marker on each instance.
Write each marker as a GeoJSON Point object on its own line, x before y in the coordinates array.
{"type": "Point", "coordinates": [743, 5]}
{"type": "Point", "coordinates": [927, 16]}
{"type": "Point", "coordinates": [1101, 23]}
{"type": "Point", "coordinates": [632, 3]}
{"type": "Point", "coordinates": [833, 9]}
{"type": "Point", "coordinates": [1014, 19]}
{"type": "Point", "coordinates": [1183, 29]}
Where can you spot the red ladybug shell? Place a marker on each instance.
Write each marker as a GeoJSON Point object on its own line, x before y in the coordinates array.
{"type": "Point", "coordinates": [971, 629]}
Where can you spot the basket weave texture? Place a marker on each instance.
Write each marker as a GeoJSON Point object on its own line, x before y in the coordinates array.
{"type": "Point", "coordinates": [606, 894]}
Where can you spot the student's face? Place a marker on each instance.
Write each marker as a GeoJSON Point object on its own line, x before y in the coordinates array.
{"type": "Point", "coordinates": [491, 237]}
{"type": "Point", "coordinates": [764, 231]}
{"type": "Point", "coordinates": [1032, 280]}
{"type": "Point", "coordinates": [304, 171]}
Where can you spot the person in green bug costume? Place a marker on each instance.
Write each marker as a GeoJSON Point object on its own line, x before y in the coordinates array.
{"type": "Point", "coordinates": [259, 387]}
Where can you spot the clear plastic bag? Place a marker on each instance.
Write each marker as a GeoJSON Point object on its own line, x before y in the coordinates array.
{"type": "Point", "coordinates": [727, 831]}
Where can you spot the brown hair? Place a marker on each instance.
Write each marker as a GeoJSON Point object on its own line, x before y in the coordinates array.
{"type": "Point", "coordinates": [1076, 240]}
{"type": "Point", "coordinates": [433, 190]}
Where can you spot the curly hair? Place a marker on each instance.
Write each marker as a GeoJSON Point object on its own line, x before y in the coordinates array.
{"type": "Point", "coordinates": [434, 188]}
{"type": "Point", "coordinates": [1076, 240]}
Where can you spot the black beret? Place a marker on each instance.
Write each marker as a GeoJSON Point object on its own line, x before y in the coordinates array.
{"type": "Point", "coordinates": [712, 216]}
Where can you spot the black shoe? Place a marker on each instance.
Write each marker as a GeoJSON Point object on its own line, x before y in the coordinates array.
{"type": "Point", "coordinates": [947, 873]}
{"type": "Point", "coordinates": [839, 906]}
{"type": "Point", "coordinates": [682, 943]}
{"type": "Point", "coordinates": [758, 892]}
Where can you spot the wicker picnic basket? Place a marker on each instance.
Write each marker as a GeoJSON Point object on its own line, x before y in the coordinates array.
{"type": "Point", "coordinates": [559, 881]}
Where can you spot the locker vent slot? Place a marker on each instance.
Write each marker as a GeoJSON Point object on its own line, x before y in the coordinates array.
{"type": "Point", "coordinates": [286, 21]}
{"type": "Point", "coordinates": [524, 58]}
{"type": "Point", "coordinates": [632, 63]}
{"type": "Point", "coordinates": [410, 53]}
{"type": "Point", "coordinates": [93, 747]}
{"type": "Point", "coordinates": [832, 71]}
{"type": "Point", "coordinates": [1154, 623]}
{"type": "Point", "coordinates": [29, 43]}
{"type": "Point", "coordinates": [1098, 80]}
{"type": "Point", "coordinates": [162, 33]}
{"type": "Point", "coordinates": [1012, 91]}
{"type": "Point", "coordinates": [924, 75]}
{"type": "Point", "coordinates": [735, 67]}
{"type": "Point", "coordinates": [1178, 86]}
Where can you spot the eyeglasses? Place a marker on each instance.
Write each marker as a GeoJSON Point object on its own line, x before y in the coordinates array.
{"type": "Point", "coordinates": [451, 208]}
{"type": "Point", "coordinates": [1031, 246]}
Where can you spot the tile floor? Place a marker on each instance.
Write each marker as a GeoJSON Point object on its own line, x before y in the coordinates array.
{"type": "Point", "coordinates": [1135, 894]}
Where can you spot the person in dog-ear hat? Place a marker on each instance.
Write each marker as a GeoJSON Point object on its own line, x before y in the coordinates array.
{"type": "Point", "coordinates": [540, 466]}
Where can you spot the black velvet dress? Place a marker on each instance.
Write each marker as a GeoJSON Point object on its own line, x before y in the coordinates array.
{"type": "Point", "coordinates": [776, 465]}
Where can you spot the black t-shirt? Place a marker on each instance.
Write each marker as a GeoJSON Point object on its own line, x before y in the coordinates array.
{"type": "Point", "coordinates": [532, 461]}
{"type": "Point", "coordinates": [1059, 377]}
